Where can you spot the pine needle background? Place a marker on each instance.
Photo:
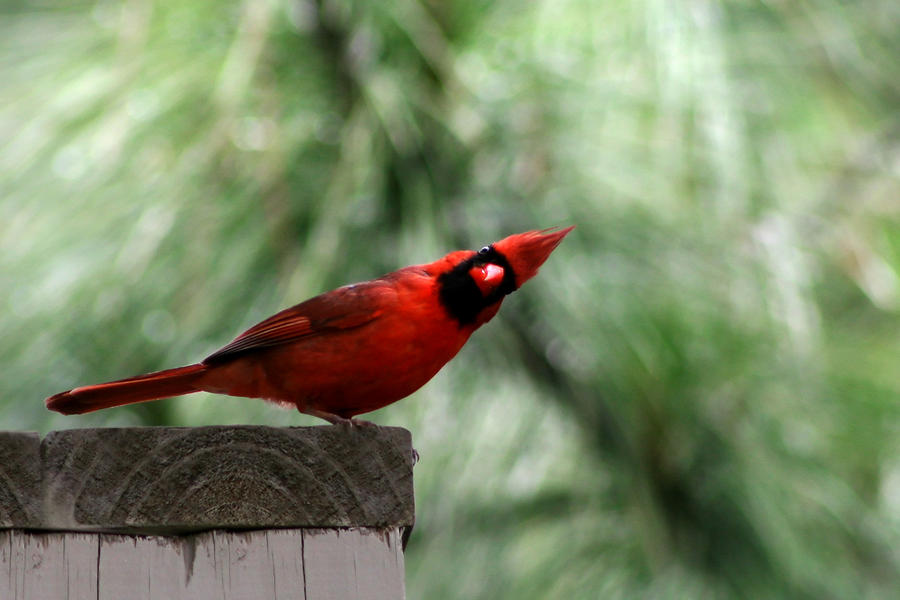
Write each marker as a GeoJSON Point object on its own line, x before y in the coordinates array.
{"type": "Point", "coordinates": [698, 397]}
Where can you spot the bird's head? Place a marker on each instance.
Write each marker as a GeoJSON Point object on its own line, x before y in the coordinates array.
{"type": "Point", "coordinates": [471, 282]}
{"type": "Point", "coordinates": [526, 252]}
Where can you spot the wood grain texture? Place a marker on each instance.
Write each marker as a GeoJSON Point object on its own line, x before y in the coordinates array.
{"type": "Point", "coordinates": [170, 480]}
{"type": "Point", "coordinates": [286, 549]}
{"type": "Point", "coordinates": [81, 552]}
{"type": "Point", "coordinates": [20, 479]}
{"type": "Point", "coordinates": [12, 564]}
{"type": "Point", "coordinates": [45, 566]}
{"type": "Point", "coordinates": [248, 565]}
{"type": "Point", "coordinates": [354, 564]}
{"type": "Point", "coordinates": [350, 564]}
{"type": "Point", "coordinates": [194, 567]}
{"type": "Point", "coordinates": [213, 512]}
{"type": "Point", "coordinates": [48, 565]}
{"type": "Point", "coordinates": [124, 567]}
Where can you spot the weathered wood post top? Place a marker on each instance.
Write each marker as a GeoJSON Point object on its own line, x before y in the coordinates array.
{"type": "Point", "coordinates": [209, 512]}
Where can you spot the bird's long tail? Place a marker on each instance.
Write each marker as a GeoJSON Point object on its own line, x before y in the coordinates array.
{"type": "Point", "coordinates": [153, 386]}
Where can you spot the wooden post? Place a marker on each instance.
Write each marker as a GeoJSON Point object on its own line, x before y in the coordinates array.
{"type": "Point", "coordinates": [211, 512]}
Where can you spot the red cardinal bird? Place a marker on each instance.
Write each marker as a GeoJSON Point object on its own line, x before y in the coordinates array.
{"type": "Point", "coordinates": [354, 349]}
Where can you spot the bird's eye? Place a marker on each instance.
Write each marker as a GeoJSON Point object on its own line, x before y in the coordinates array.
{"type": "Point", "coordinates": [484, 250]}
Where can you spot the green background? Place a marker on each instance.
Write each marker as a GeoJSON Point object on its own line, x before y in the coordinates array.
{"type": "Point", "coordinates": [698, 395]}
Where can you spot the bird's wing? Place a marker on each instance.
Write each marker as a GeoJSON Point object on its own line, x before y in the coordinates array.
{"type": "Point", "coordinates": [344, 308]}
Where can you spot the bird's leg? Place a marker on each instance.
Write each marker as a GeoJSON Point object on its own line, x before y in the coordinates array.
{"type": "Point", "coordinates": [337, 419]}
{"type": "Point", "coordinates": [330, 417]}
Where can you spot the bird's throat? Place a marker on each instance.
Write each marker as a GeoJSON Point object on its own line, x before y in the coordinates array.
{"type": "Point", "coordinates": [460, 295]}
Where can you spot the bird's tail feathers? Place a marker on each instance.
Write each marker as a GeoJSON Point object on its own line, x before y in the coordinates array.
{"type": "Point", "coordinates": [152, 386]}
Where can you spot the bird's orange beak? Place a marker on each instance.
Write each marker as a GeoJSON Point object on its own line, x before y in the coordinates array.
{"type": "Point", "coordinates": [527, 251]}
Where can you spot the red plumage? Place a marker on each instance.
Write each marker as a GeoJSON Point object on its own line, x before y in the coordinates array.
{"type": "Point", "coordinates": [354, 349]}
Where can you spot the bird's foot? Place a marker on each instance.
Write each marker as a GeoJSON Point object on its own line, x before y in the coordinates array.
{"type": "Point", "coordinates": [338, 420]}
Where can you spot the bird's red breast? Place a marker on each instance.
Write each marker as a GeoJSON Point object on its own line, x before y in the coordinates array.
{"type": "Point", "coordinates": [347, 352]}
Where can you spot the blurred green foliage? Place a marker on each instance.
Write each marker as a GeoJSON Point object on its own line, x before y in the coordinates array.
{"type": "Point", "coordinates": [698, 397]}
